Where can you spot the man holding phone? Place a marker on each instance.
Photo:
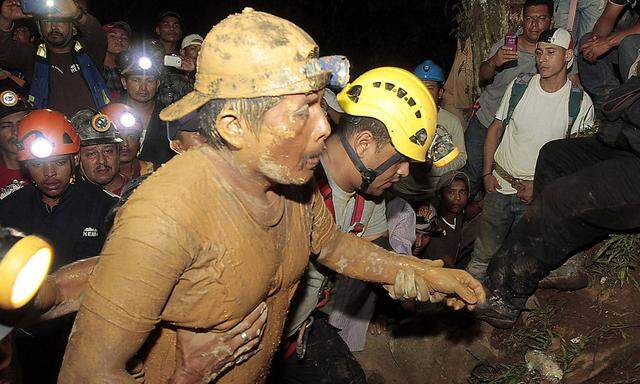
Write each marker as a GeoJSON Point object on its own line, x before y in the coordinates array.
{"type": "Point", "coordinates": [65, 72]}
{"type": "Point", "coordinates": [496, 72]}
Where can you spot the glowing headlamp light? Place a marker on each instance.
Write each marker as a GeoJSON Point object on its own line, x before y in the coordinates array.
{"type": "Point", "coordinates": [145, 63]}
{"type": "Point", "coordinates": [41, 148]}
{"type": "Point", "coordinates": [50, 3]}
{"type": "Point", "coordinates": [442, 150]}
{"type": "Point", "coordinates": [339, 67]}
{"type": "Point", "coordinates": [127, 120]}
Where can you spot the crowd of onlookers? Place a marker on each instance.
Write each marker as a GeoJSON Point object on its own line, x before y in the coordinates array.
{"type": "Point", "coordinates": [103, 131]}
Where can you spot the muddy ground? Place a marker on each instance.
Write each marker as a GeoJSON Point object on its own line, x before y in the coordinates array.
{"type": "Point", "coordinates": [592, 335]}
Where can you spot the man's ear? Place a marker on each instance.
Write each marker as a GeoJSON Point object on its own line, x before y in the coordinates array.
{"type": "Point", "coordinates": [362, 142]}
{"type": "Point", "coordinates": [232, 127]}
{"type": "Point", "coordinates": [124, 82]}
{"type": "Point", "coordinates": [158, 31]}
{"type": "Point", "coordinates": [75, 160]}
{"type": "Point", "coordinates": [440, 93]}
{"type": "Point", "coordinates": [568, 55]}
{"type": "Point", "coordinates": [176, 146]}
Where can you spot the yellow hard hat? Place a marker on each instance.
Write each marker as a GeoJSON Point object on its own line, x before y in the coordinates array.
{"type": "Point", "coordinates": [401, 102]}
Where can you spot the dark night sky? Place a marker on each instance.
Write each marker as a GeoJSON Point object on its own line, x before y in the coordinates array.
{"type": "Point", "coordinates": [371, 33]}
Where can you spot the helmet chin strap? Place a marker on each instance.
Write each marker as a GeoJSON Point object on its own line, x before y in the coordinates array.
{"type": "Point", "coordinates": [368, 174]}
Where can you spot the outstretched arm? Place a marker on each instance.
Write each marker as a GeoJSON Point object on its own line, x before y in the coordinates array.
{"type": "Point", "coordinates": [409, 277]}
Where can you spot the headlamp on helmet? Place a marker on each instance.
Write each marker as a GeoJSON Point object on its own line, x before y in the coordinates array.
{"type": "Point", "coordinates": [339, 68]}
{"type": "Point", "coordinates": [127, 120]}
{"type": "Point", "coordinates": [39, 147]}
{"type": "Point", "coordinates": [145, 63]}
{"type": "Point", "coordinates": [442, 151]}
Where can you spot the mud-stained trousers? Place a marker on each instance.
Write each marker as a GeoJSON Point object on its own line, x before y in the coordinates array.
{"type": "Point", "coordinates": [584, 191]}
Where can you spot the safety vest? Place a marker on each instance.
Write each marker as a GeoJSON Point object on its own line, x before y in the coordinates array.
{"type": "Point", "coordinates": [39, 96]}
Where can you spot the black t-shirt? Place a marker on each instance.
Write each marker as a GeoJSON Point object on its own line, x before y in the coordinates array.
{"type": "Point", "coordinates": [75, 227]}
{"type": "Point", "coordinates": [446, 247]}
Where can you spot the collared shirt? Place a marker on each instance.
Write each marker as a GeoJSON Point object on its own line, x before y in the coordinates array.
{"type": "Point", "coordinates": [74, 226]}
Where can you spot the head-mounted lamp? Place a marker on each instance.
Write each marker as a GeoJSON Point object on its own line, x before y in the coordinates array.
{"type": "Point", "coordinates": [40, 147]}
{"type": "Point", "coordinates": [339, 67]}
{"type": "Point", "coordinates": [145, 63]}
{"type": "Point", "coordinates": [442, 150]}
{"type": "Point", "coordinates": [127, 120]}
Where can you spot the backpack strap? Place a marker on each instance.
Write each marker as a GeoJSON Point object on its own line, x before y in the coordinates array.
{"type": "Point", "coordinates": [520, 85]}
{"type": "Point", "coordinates": [575, 101]}
{"type": "Point", "coordinates": [356, 226]}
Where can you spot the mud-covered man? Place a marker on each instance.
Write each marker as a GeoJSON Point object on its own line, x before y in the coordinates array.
{"type": "Point", "coordinates": [214, 206]}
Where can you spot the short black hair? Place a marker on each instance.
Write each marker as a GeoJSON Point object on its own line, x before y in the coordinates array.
{"type": "Point", "coordinates": [532, 3]}
{"type": "Point", "coordinates": [350, 125]}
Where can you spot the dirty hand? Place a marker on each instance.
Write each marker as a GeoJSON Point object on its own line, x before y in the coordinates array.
{"type": "Point", "coordinates": [525, 191]}
{"type": "Point", "coordinates": [504, 55]}
{"type": "Point", "coordinates": [406, 285]}
{"type": "Point", "coordinates": [458, 287]}
{"type": "Point", "coordinates": [491, 183]}
{"type": "Point", "coordinates": [201, 356]}
{"type": "Point", "coordinates": [378, 325]}
{"type": "Point", "coordinates": [596, 49]}
{"type": "Point", "coordinates": [11, 10]}
{"type": "Point", "coordinates": [188, 65]}
{"type": "Point", "coordinates": [587, 44]}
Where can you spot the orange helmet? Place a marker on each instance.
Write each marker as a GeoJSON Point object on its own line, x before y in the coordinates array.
{"type": "Point", "coordinates": [44, 133]}
{"type": "Point", "coordinates": [123, 117]}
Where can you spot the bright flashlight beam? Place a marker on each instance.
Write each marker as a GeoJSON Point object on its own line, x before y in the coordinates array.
{"type": "Point", "coordinates": [50, 3]}
{"type": "Point", "coordinates": [41, 148]}
{"type": "Point", "coordinates": [144, 63]}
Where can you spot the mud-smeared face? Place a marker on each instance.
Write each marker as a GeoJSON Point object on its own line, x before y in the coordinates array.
{"type": "Point", "coordinates": [292, 138]}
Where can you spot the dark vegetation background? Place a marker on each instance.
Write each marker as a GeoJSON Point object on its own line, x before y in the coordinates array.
{"type": "Point", "coordinates": [371, 33]}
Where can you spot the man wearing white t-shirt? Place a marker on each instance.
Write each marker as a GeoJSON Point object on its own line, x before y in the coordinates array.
{"type": "Point", "coordinates": [543, 113]}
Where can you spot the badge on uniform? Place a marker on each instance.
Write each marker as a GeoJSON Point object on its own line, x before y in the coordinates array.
{"type": "Point", "coordinates": [9, 98]}
{"type": "Point", "coordinates": [100, 123]}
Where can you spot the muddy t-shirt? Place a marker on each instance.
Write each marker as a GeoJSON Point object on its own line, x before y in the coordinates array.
{"type": "Point", "coordinates": [187, 250]}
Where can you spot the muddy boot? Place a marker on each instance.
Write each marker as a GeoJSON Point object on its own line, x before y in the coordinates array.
{"type": "Point", "coordinates": [496, 311]}
{"type": "Point", "coordinates": [570, 276]}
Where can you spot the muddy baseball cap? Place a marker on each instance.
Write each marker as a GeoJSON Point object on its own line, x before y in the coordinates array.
{"type": "Point", "coordinates": [560, 37]}
{"type": "Point", "coordinates": [12, 102]}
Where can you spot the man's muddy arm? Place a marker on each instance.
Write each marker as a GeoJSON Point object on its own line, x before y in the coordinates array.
{"type": "Point", "coordinates": [60, 293]}
{"type": "Point", "coordinates": [98, 351]}
{"type": "Point", "coordinates": [359, 259]}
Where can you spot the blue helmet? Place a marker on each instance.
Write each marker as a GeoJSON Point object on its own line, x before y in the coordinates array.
{"type": "Point", "coordinates": [429, 71]}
